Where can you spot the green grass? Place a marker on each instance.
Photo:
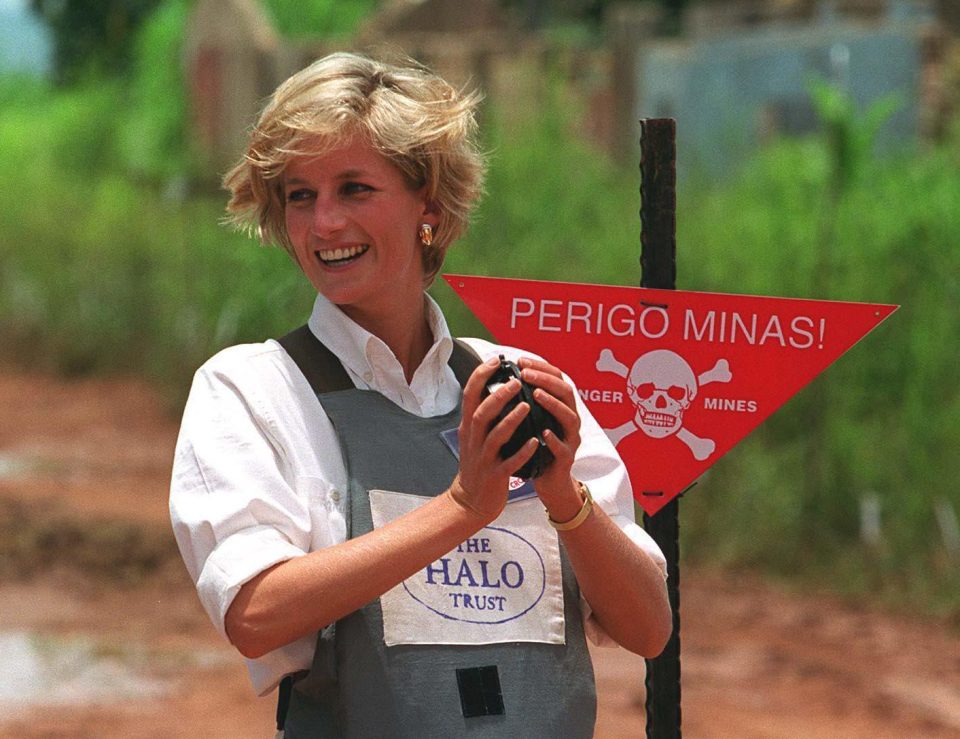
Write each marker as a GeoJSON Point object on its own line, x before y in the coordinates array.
{"type": "Point", "coordinates": [885, 416]}
{"type": "Point", "coordinates": [325, 18]}
{"type": "Point", "coordinates": [100, 274]}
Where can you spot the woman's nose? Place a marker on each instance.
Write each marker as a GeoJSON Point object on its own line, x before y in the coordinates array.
{"type": "Point", "coordinates": [328, 220]}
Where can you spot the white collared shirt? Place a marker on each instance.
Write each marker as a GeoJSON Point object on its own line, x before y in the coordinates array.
{"type": "Point", "coordinates": [258, 477]}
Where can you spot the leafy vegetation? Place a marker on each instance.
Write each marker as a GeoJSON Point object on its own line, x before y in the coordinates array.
{"type": "Point", "coordinates": [880, 424]}
{"type": "Point", "coordinates": [107, 266]}
{"type": "Point", "coordinates": [329, 18]}
{"type": "Point", "coordinates": [92, 38]}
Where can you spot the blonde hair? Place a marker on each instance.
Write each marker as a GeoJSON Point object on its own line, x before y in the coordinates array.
{"type": "Point", "coordinates": [419, 122]}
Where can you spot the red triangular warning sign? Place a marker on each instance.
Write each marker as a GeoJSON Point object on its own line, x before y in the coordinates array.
{"type": "Point", "coordinates": [675, 378]}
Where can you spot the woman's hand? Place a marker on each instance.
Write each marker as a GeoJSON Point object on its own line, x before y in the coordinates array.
{"type": "Point", "coordinates": [623, 585]}
{"type": "Point", "coordinates": [556, 486]}
{"type": "Point", "coordinates": [482, 483]}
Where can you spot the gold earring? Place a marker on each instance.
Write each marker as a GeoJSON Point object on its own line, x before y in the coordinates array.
{"type": "Point", "coordinates": [426, 234]}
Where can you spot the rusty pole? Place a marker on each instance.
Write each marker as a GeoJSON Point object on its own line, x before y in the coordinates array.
{"type": "Point", "coordinates": [658, 251]}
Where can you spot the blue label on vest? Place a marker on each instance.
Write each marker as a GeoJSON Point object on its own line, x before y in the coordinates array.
{"type": "Point", "coordinates": [493, 577]}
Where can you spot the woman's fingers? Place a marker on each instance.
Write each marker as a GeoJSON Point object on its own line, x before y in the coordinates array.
{"type": "Point", "coordinates": [544, 375]}
{"type": "Point", "coordinates": [561, 448]}
{"type": "Point", "coordinates": [519, 458]}
{"type": "Point", "coordinates": [553, 384]}
{"type": "Point", "coordinates": [473, 390]}
{"type": "Point", "coordinates": [538, 364]}
{"type": "Point", "coordinates": [485, 429]}
{"type": "Point", "coordinates": [483, 478]}
{"type": "Point", "coordinates": [473, 400]}
{"type": "Point", "coordinates": [556, 396]}
{"type": "Point", "coordinates": [502, 431]}
{"type": "Point", "coordinates": [491, 406]}
{"type": "Point", "coordinates": [567, 417]}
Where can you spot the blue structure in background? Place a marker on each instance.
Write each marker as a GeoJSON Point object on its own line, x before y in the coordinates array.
{"type": "Point", "coordinates": [728, 92]}
{"type": "Point", "coordinates": [25, 43]}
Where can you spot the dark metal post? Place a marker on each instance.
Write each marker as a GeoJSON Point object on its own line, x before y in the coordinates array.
{"type": "Point", "coordinates": [658, 239]}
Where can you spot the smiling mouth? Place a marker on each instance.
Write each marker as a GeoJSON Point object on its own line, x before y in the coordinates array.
{"type": "Point", "coordinates": [337, 257]}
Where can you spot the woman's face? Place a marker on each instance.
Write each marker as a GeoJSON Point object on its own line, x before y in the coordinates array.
{"type": "Point", "coordinates": [353, 221]}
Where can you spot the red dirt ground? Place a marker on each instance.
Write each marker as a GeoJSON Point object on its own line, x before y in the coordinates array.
{"type": "Point", "coordinates": [758, 662]}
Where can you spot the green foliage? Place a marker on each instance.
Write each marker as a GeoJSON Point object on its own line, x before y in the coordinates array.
{"type": "Point", "coordinates": [587, 218]}
{"type": "Point", "coordinates": [887, 411]}
{"type": "Point", "coordinates": [21, 91]}
{"type": "Point", "coordinates": [554, 210]}
{"type": "Point", "coordinates": [98, 274]}
{"type": "Point", "coordinates": [65, 130]}
{"type": "Point", "coordinates": [850, 136]}
{"type": "Point", "coordinates": [133, 49]}
{"type": "Point", "coordinates": [323, 18]}
{"type": "Point", "coordinates": [153, 129]}
{"type": "Point", "coordinates": [104, 276]}
{"type": "Point", "coordinates": [133, 126]}
{"type": "Point", "coordinates": [92, 38]}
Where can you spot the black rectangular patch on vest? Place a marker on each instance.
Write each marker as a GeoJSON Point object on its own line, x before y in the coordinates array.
{"type": "Point", "coordinates": [480, 691]}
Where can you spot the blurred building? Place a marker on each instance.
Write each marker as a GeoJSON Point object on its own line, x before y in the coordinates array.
{"type": "Point", "coordinates": [737, 74]}
{"type": "Point", "coordinates": [231, 63]}
{"type": "Point", "coordinates": [234, 59]}
{"type": "Point", "coordinates": [742, 73]}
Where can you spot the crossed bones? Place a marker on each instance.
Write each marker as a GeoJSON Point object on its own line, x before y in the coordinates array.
{"type": "Point", "coordinates": [701, 448]}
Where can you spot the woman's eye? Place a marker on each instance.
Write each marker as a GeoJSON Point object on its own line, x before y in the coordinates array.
{"type": "Point", "coordinates": [298, 196]}
{"type": "Point", "coordinates": [356, 188]}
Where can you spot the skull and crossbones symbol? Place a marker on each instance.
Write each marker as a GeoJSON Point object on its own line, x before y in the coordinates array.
{"type": "Point", "coordinates": [661, 386]}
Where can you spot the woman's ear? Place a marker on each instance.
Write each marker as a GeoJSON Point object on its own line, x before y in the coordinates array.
{"type": "Point", "coordinates": [431, 213]}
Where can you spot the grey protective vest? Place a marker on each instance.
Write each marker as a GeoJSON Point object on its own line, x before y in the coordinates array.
{"type": "Point", "coordinates": [358, 687]}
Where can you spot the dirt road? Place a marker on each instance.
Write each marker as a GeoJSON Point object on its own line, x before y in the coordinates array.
{"type": "Point", "coordinates": [102, 636]}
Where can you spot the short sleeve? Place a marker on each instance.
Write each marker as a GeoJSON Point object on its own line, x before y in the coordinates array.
{"type": "Point", "coordinates": [234, 511]}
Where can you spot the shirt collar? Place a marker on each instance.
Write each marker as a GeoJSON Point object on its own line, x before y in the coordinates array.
{"type": "Point", "coordinates": [354, 345]}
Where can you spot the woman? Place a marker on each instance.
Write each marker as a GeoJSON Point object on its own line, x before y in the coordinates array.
{"type": "Point", "coordinates": [355, 537]}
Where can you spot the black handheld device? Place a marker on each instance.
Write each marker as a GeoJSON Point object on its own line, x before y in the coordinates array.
{"type": "Point", "coordinates": [533, 425]}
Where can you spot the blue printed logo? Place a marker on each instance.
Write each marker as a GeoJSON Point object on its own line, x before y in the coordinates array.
{"type": "Point", "coordinates": [491, 578]}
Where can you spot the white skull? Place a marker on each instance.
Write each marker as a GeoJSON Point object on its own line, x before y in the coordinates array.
{"type": "Point", "coordinates": [661, 386]}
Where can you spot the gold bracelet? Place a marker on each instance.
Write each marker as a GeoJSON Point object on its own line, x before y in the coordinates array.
{"type": "Point", "coordinates": [581, 516]}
